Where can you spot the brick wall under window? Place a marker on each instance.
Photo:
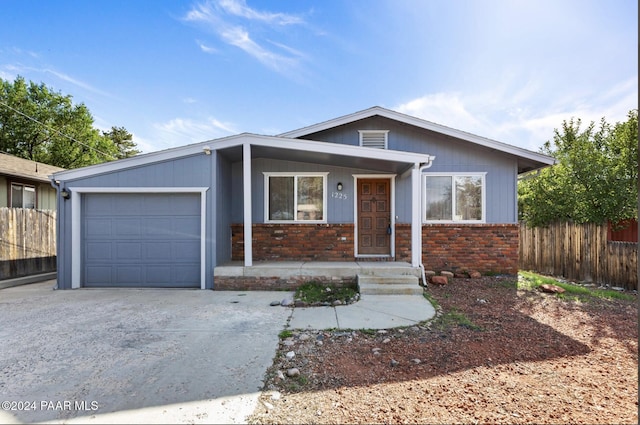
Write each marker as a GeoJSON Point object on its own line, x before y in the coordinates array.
{"type": "Point", "coordinates": [295, 242]}
{"type": "Point", "coordinates": [482, 247]}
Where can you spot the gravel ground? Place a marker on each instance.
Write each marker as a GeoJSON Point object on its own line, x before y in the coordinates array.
{"type": "Point", "coordinates": [494, 354]}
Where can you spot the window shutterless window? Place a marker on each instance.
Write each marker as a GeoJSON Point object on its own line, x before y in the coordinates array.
{"type": "Point", "coordinates": [454, 197]}
{"type": "Point", "coordinates": [23, 196]}
{"type": "Point", "coordinates": [299, 197]}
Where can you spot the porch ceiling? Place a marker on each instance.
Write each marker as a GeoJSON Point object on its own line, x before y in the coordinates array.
{"type": "Point", "coordinates": [381, 164]}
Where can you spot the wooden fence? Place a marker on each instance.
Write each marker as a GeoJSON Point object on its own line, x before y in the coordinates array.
{"type": "Point", "coordinates": [579, 252]}
{"type": "Point", "coordinates": [27, 242]}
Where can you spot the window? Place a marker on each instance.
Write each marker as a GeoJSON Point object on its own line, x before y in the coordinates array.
{"type": "Point", "coordinates": [454, 198]}
{"type": "Point", "coordinates": [374, 138]}
{"type": "Point", "coordinates": [299, 197]}
{"type": "Point", "coordinates": [23, 196]}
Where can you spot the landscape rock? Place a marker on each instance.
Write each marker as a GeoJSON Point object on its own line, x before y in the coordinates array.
{"type": "Point", "coordinates": [293, 372]}
{"type": "Point", "coordinates": [287, 302]}
{"type": "Point", "coordinates": [300, 303]}
{"type": "Point", "coordinates": [448, 275]}
{"type": "Point", "coordinates": [290, 355]}
{"type": "Point", "coordinates": [439, 280]}
{"type": "Point", "coordinates": [475, 275]}
{"type": "Point", "coordinates": [394, 363]}
{"type": "Point", "coordinates": [274, 303]}
{"type": "Point", "coordinates": [552, 289]}
{"type": "Point", "coordinates": [415, 361]}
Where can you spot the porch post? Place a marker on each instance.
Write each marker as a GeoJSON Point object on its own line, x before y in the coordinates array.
{"type": "Point", "coordinates": [246, 193]}
{"type": "Point", "coordinates": [416, 220]}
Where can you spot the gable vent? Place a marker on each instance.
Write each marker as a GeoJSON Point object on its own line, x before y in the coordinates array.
{"type": "Point", "coordinates": [374, 138]}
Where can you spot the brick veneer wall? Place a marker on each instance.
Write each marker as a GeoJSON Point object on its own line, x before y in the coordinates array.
{"type": "Point", "coordinates": [295, 242]}
{"type": "Point", "coordinates": [481, 247]}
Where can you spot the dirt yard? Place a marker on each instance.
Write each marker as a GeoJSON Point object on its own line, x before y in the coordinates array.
{"type": "Point", "coordinates": [494, 354]}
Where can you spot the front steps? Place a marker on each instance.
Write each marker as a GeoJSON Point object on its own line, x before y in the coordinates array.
{"type": "Point", "coordinates": [389, 285]}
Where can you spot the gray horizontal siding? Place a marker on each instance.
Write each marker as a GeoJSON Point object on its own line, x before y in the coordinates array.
{"type": "Point", "coordinates": [452, 155]}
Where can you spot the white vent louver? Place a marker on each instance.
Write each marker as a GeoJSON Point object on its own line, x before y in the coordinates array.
{"type": "Point", "coordinates": [374, 139]}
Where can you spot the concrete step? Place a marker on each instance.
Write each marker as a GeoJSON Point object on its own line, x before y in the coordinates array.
{"type": "Point", "coordinates": [400, 285]}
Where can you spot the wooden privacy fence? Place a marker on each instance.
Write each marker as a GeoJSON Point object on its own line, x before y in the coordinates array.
{"type": "Point", "coordinates": [579, 252]}
{"type": "Point", "coordinates": [27, 242]}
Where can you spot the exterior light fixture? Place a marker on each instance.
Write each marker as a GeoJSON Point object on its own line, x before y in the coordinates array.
{"type": "Point", "coordinates": [339, 187]}
{"type": "Point", "coordinates": [65, 194]}
{"type": "Point", "coordinates": [207, 150]}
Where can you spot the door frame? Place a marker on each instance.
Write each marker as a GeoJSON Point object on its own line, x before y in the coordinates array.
{"type": "Point", "coordinates": [392, 197]}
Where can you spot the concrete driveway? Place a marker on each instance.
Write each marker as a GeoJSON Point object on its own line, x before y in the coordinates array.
{"type": "Point", "coordinates": [134, 356]}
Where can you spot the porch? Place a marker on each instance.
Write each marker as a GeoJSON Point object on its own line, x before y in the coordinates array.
{"type": "Point", "coordinates": [287, 275]}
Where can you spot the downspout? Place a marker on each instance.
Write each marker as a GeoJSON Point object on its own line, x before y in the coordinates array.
{"type": "Point", "coordinates": [421, 266]}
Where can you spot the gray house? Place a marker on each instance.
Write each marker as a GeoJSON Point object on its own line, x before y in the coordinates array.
{"type": "Point", "coordinates": [376, 189]}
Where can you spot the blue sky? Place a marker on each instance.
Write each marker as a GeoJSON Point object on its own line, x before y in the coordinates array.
{"type": "Point", "coordinates": [178, 72]}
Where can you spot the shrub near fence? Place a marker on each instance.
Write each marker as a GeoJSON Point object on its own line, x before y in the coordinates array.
{"type": "Point", "coordinates": [579, 252]}
{"type": "Point", "coordinates": [27, 242]}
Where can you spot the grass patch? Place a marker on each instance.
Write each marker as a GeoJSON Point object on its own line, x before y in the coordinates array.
{"type": "Point", "coordinates": [454, 317]}
{"type": "Point", "coordinates": [432, 300]}
{"type": "Point", "coordinates": [285, 334]}
{"type": "Point", "coordinates": [316, 292]}
{"type": "Point", "coordinates": [530, 281]}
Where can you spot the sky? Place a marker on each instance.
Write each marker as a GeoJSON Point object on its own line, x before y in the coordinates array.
{"type": "Point", "coordinates": [177, 72]}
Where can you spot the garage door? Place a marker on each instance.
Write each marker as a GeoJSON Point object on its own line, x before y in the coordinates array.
{"type": "Point", "coordinates": [141, 240]}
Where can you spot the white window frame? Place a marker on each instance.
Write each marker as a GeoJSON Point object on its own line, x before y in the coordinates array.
{"type": "Point", "coordinates": [483, 180]}
{"type": "Point", "coordinates": [24, 187]}
{"type": "Point", "coordinates": [363, 133]}
{"type": "Point", "coordinates": [295, 176]}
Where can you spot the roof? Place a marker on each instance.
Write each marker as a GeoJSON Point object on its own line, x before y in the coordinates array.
{"type": "Point", "coordinates": [527, 160]}
{"type": "Point", "coordinates": [11, 165]}
{"type": "Point", "coordinates": [310, 151]}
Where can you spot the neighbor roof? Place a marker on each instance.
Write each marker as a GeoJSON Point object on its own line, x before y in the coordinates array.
{"type": "Point", "coordinates": [527, 160]}
{"type": "Point", "coordinates": [11, 165]}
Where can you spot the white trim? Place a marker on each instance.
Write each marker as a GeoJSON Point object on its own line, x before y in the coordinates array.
{"type": "Point", "coordinates": [427, 125]}
{"type": "Point", "coordinates": [295, 176]}
{"type": "Point", "coordinates": [241, 140]}
{"type": "Point", "coordinates": [483, 176]}
{"type": "Point", "coordinates": [76, 223]}
{"type": "Point", "coordinates": [392, 197]}
{"type": "Point", "coordinates": [246, 200]}
{"type": "Point", "coordinates": [416, 220]}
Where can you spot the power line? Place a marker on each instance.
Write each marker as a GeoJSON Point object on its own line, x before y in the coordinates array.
{"type": "Point", "coordinates": [58, 131]}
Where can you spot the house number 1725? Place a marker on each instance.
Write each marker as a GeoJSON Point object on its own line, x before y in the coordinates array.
{"type": "Point", "coordinates": [339, 195]}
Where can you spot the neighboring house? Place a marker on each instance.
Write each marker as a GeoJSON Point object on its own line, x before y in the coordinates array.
{"type": "Point", "coordinates": [25, 183]}
{"type": "Point", "coordinates": [376, 185]}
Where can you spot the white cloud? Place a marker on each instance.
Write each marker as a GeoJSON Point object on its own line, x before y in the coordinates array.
{"type": "Point", "coordinates": [519, 118]}
{"type": "Point", "coordinates": [183, 131]}
{"type": "Point", "coordinates": [228, 19]}
{"type": "Point", "coordinates": [240, 8]}
{"type": "Point", "coordinates": [205, 48]}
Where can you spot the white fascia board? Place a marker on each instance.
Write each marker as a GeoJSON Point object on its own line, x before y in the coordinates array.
{"type": "Point", "coordinates": [427, 125]}
{"type": "Point", "coordinates": [340, 149]}
{"type": "Point", "coordinates": [145, 159]}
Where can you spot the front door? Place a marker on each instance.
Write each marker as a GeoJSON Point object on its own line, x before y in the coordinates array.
{"type": "Point", "coordinates": [374, 217]}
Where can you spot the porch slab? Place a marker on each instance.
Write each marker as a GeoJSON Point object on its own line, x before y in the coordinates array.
{"type": "Point", "coordinates": [287, 269]}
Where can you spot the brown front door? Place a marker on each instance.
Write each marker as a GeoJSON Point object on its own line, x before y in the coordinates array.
{"type": "Point", "coordinates": [374, 217]}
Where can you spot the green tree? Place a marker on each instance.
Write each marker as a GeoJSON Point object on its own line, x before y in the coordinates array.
{"type": "Point", "coordinates": [123, 141]}
{"type": "Point", "coordinates": [42, 125]}
{"type": "Point", "coordinates": [595, 179]}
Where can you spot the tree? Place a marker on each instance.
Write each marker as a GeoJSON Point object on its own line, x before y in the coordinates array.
{"type": "Point", "coordinates": [42, 125]}
{"type": "Point", "coordinates": [595, 179]}
{"type": "Point", "coordinates": [123, 140]}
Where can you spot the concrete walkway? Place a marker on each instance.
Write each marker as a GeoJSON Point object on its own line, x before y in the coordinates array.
{"type": "Point", "coordinates": [371, 312]}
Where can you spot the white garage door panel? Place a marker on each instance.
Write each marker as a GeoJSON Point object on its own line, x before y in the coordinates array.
{"type": "Point", "coordinates": [141, 240]}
